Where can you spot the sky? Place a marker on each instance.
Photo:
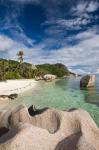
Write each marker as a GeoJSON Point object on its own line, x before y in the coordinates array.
{"type": "Point", "coordinates": [51, 31]}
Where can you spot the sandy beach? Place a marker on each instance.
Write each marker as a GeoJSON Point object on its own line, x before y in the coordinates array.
{"type": "Point", "coordinates": [16, 86]}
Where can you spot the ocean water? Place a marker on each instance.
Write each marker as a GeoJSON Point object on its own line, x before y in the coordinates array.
{"type": "Point", "coordinates": [62, 94]}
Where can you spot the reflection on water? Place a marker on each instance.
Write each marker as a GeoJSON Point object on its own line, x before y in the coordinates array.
{"type": "Point", "coordinates": [62, 94]}
{"type": "Point", "coordinates": [92, 96]}
{"type": "Point", "coordinates": [72, 83]}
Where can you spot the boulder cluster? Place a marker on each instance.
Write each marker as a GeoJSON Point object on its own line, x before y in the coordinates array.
{"type": "Point", "coordinates": [46, 77]}
{"type": "Point", "coordinates": [47, 129]}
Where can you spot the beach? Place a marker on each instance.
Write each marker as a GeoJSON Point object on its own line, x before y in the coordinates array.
{"type": "Point", "coordinates": [16, 86]}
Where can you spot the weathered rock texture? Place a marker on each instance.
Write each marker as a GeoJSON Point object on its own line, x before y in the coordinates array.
{"type": "Point", "coordinates": [87, 81]}
{"type": "Point", "coordinates": [7, 97]}
{"type": "Point", "coordinates": [49, 77]}
{"type": "Point", "coordinates": [47, 129]}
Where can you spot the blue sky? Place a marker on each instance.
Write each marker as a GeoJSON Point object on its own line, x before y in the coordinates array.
{"type": "Point", "coordinates": [51, 31]}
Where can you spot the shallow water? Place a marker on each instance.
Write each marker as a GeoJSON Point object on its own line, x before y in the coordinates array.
{"type": "Point", "coordinates": [62, 94]}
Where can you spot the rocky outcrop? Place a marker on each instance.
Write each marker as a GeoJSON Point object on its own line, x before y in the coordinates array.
{"type": "Point", "coordinates": [49, 77]}
{"type": "Point", "coordinates": [7, 97]}
{"type": "Point", "coordinates": [87, 81]}
{"type": "Point", "coordinates": [47, 129]}
{"type": "Point", "coordinates": [37, 78]}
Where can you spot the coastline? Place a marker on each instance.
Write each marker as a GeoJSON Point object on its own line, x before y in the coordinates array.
{"type": "Point", "coordinates": [16, 86]}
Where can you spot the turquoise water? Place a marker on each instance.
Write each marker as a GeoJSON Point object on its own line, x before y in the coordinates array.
{"type": "Point", "coordinates": [62, 94]}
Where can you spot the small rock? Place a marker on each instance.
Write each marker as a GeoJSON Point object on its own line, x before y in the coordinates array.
{"type": "Point", "coordinates": [13, 96]}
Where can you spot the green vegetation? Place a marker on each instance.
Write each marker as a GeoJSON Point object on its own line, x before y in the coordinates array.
{"type": "Point", "coordinates": [10, 69]}
{"type": "Point", "coordinates": [56, 69]}
{"type": "Point", "coordinates": [12, 75]}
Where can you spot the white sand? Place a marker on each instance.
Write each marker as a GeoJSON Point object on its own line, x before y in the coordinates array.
{"type": "Point", "coordinates": [16, 86]}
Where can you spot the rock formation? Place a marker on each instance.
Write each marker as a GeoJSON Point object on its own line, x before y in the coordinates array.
{"type": "Point", "coordinates": [6, 97]}
{"type": "Point", "coordinates": [87, 81]}
{"type": "Point", "coordinates": [47, 129]}
{"type": "Point", "coordinates": [49, 77]}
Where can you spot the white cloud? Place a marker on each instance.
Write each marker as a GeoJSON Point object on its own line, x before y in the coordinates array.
{"type": "Point", "coordinates": [11, 24]}
{"type": "Point", "coordinates": [97, 71]}
{"type": "Point", "coordinates": [86, 35]}
{"type": "Point", "coordinates": [5, 43]}
{"type": "Point", "coordinates": [79, 71]}
{"type": "Point", "coordinates": [93, 6]}
{"type": "Point", "coordinates": [79, 17]}
{"type": "Point", "coordinates": [73, 23]}
{"type": "Point", "coordinates": [80, 8]}
{"type": "Point", "coordinates": [10, 47]}
{"type": "Point", "coordinates": [86, 52]}
{"type": "Point", "coordinates": [84, 7]}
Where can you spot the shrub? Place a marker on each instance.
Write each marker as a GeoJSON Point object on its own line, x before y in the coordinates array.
{"type": "Point", "coordinates": [12, 75]}
{"type": "Point", "coordinates": [10, 69]}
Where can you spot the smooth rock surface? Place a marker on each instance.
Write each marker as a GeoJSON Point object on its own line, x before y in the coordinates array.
{"type": "Point", "coordinates": [87, 81]}
{"type": "Point", "coordinates": [47, 129]}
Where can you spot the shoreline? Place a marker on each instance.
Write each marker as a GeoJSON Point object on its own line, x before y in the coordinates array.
{"type": "Point", "coordinates": [16, 86]}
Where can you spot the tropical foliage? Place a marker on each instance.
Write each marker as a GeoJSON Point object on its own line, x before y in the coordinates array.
{"type": "Point", "coordinates": [56, 69]}
{"type": "Point", "coordinates": [10, 69]}
{"type": "Point", "coordinates": [20, 55]}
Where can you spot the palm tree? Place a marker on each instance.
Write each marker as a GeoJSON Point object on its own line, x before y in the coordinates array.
{"type": "Point", "coordinates": [20, 56]}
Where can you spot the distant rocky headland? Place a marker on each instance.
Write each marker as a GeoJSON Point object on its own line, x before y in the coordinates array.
{"type": "Point", "coordinates": [11, 69]}
{"type": "Point", "coordinates": [23, 128]}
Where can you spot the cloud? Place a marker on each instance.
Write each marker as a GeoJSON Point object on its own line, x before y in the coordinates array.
{"type": "Point", "coordinates": [85, 6]}
{"type": "Point", "coordinates": [85, 52]}
{"type": "Point", "coordinates": [78, 16]}
{"type": "Point", "coordinates": [93, 6]}
{"type": "Point", "coordinates": [80, 7]}
{"type": "Point", "coordinates": [5, 43]}
{"type": "Point", "coordinates": [97, 71]}
{"type": "Point", "coordinates": [68, 37]}
{"type": "Point", "coordinates": [11, 24]}
{"type": "Point", "coordinates": [75, 23]}
{"type": "Point", "coordinates": [10, 47]}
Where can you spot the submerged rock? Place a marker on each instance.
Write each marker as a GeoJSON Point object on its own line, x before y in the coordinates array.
{"type": "Point", "coordinates": [48, 129]}
{"type": "Point", "coordinates": [87, 81]}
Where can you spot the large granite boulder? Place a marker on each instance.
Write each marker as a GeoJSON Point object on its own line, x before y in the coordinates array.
{"type": "Point", "coordinates": [49, 77]}
{"type": "Point", "coordinates": [48, 129]}
{"type": "Point", "coordinates": [87, 81]}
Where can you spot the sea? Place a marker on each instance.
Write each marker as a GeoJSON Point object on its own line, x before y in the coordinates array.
{"type": "Point", "coordinates": [61, 94]}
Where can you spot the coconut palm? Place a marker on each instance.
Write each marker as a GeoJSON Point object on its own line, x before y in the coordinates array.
{"type": "Point", "coordinates": [20, 55]}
